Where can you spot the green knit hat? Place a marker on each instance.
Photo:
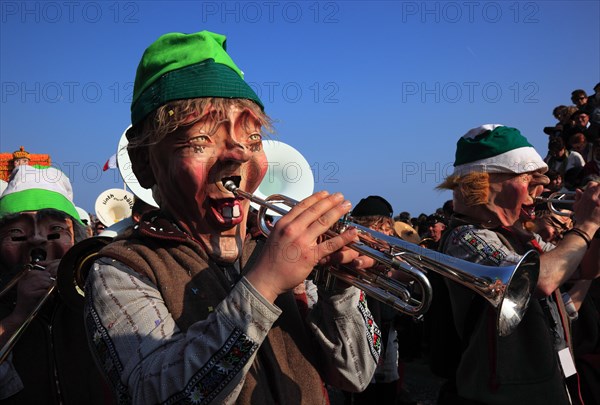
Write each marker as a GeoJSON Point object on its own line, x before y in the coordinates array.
{"type": "Point", "coordinates": [182, 66]}
{"type": "Point", "coordinates": [32, 189]}
{"type": "Point", "coordinates": [495, 148]}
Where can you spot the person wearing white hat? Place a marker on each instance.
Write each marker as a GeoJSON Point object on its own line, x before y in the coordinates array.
{"type": "Point", "coordinates": [85, 219]}
{"type": "Point", "coordinates": [50, 362]}
{"type": "Point", "coordinates": [497, 175]}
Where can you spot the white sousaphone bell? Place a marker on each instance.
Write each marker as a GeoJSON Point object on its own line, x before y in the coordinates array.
{"type": "Point", "coordinates": [288, 173]}
{"type": "Point", "coordinates": [114, 209]}
{"type": "Point", "coordinates": [124, 165]}
{"type": "Point", "coordinates": [114, 205]}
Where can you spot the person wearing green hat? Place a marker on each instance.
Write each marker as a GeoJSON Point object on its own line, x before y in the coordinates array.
{"type": "Point", "coordinates": [497, 175]}
{"type": "Point", "coordinates": [189, 308]}
{"type": "Point", "coordinates": [50, 362]}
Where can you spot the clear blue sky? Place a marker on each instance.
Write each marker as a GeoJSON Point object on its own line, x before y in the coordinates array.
{"type": "Point", "coordinates": [374, 94]}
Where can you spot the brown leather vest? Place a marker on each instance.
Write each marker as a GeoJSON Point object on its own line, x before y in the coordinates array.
{"type": "Point", "coordinates": [192, 285]}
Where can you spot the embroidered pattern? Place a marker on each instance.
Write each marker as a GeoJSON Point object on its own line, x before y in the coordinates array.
{"type": "Point", "coordinates": [373, 332]}
{"type": "Point", "coordinates": [210, 380]}
{"type": "Point", "coordinates": [106, 352]}
{"type": "Point", "coordinates": [475, 244]}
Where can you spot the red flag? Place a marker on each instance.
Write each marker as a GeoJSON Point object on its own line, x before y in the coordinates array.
{"type": "Point", "coordinates": [111, 163]}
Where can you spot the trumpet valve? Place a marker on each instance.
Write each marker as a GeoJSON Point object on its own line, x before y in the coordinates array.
{"type": "Point", "coordinates": [323, 277]}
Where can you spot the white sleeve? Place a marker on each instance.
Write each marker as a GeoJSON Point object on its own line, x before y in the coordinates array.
{"type": "Point", "coordinates": [575, 160]}
{"type": "Point", "coordinates": [145, 356]}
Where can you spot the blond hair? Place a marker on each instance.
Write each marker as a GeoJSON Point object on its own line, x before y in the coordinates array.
{"type": "Point", "coordinates": [472, 188]}
{"type": "Point", "coordinates": [175, 114]}
{"type": "Point", "coordinates": [378, 223]}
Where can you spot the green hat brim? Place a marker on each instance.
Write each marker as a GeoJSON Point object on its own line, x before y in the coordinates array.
{"type": "Point", "coordinates": [204, 79]}
{"type": "Point", "coordinates": [35, 200]}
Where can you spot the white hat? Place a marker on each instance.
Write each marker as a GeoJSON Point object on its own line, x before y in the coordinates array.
{"type": "Point", "coordinates": [32, 189]}
{"type": "Point", "coordinates": [495, 148]}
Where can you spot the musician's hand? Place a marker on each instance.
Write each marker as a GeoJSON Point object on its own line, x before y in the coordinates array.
{"type": "Point", "coordinates": [52, 267]}
{"type": "Point", "coordinates": [345, 255]}
{"type": "Point", "coordinates": [587, 208]}
{"type": "Point", "coordinates": [294, 248]}
{"type": "Point", "coordinates": [362, 263]}
{"type": "Point", "coordinates": [30, 290]}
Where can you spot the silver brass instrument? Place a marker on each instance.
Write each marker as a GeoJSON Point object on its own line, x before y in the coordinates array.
{"type": "Point", "coordinates": [37, 256]}
{"type": "Point", "coordinates": [558, 198]}
{"type": "Point", "coordinates": [508, 289]}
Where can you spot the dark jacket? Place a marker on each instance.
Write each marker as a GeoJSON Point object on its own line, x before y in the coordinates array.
{"type": "Point", "coordinates": [521, 368]}
{"type": "Point", "coordinates": [53, 360]}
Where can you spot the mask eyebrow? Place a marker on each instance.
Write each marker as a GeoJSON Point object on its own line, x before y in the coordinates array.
{"type": "Point", "coordinates": [249, 121]}
{"type": "Point", "coordinates": [214, 117]}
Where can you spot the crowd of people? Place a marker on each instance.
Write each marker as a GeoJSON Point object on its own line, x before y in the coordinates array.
{"type": "Point", "coordinates": [191, 304]}
{"type": "Point", "coordinates": [574, 141]}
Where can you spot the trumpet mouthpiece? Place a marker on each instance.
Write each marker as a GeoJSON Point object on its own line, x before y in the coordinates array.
{"type": "Point", "coordinates": [230, 185]}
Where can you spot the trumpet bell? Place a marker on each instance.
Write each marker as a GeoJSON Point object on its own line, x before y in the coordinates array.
{"type": "Point", "coordinates": [514, 300]}
{"type": "Point", "coordinates": [508, 289]}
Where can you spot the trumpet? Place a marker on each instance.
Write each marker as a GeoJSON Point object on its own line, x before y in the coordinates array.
{"type": "Point", "coordinates": [508, 289]}
{"type": "Point", "coordinates": [37, 256]}
{"type": "Point", "coordinates": [558, 198]}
